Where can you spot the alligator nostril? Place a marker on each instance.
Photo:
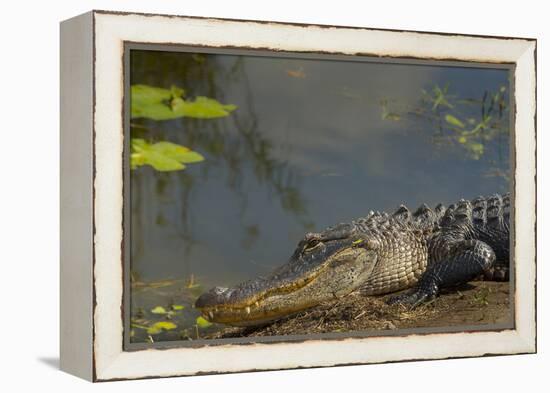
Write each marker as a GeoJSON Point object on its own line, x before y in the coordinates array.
{"type": "Point", "coordinates": [212, 297]}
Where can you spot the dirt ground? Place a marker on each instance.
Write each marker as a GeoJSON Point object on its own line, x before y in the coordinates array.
{"type": "Point", "coordinates": [477, 303]}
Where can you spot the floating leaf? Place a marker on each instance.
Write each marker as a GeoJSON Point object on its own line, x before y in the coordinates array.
{"type": "Point", "coordinates": [138, 326]}
{"type": "Point", "coordinates": [159, 310]}
{"type": "Point", "coordinates": [453, 121]}
{"type": "Point", "coordinates": [164, 104]}
{"type": "Point", "coordinates": [143, 95]}
{"type": "Point", "coordinates": [202, 323]}
{"type": "Point", "coordinates": [203, 108]}
{"type": "Point", "coordinates": [177, 307]}
{"type": "Point", "coordinates": [152, 102]}
{"type": "Point", "coordinates": [177, 152]}
{"type": "Point", "coordinates": [476, 150]}
{"type": "Point", "coordinates": [177, 92]}
{"type": "Point", "coordinates": [163, 156]}
{"type": "Point", "coordinates": [158, 327]}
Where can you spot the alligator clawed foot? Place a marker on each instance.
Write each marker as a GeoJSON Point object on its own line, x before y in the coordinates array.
{"type": "Point", "coordinates": [410, 300]}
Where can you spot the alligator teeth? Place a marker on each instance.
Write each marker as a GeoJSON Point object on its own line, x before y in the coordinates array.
{"type": "Point", "coordinates": [211, 314]}
{"type": "Point", "coordinates": [257, 304]}
{"type": "Point", "coordinates": [248, 310]}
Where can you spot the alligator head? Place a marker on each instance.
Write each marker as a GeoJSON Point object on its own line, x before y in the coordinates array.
{"type": "Point", "coordinates": [323, 266]}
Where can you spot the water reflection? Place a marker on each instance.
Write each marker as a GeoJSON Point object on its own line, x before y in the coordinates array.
{"type": "Point", "coordinates": [311, 143]}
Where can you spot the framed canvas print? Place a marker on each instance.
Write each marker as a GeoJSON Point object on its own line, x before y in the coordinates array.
{"type": "Point", "coordinates": [245, 195]}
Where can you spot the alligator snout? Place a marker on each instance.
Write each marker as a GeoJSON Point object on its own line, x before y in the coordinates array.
{"type": "Point", "coordinates": [215, 296]}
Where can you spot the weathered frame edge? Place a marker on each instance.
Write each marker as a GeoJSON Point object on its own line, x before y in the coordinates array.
{"type": "Point", "coordinates": [76, 196]}
{"type": "Point", "coordinates": [527, 346]}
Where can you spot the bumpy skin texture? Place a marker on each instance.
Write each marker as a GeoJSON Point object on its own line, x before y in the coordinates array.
{"type": "Point", "coordinates": [424, 251]}
{"type": "Point", "coordinates": [469, 240]}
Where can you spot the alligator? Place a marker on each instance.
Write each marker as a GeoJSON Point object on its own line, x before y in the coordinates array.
{"type": "Point", "coordinates": [421, 252]}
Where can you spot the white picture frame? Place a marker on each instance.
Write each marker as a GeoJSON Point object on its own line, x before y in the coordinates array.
{"type": "Point", "coordinates": [92, 193]}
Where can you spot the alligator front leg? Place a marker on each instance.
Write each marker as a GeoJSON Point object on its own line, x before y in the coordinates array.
{"type": "Point", "coordinates": [475, 258]}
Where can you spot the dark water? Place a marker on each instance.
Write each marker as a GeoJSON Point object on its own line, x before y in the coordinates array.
{"type": "Point", "coordinates": [312, 143]}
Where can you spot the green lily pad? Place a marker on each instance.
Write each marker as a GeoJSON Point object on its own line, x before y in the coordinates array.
{"type": "Point", "coordinates": [159, 310]}
{"type": "Point", "coordinates": [163, 156]}
{"type": "Point", "coordinates": [157, 103]}
{"type": "Point", "coordinates": [158, 327]}
{"type": "Point", "coordinates": [203, 323]}
{"type": "Point", "coordinates": [202, 108]}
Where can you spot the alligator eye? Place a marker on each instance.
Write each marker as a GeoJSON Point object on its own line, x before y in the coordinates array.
{"type": "Point", "coordinates": [312, 245]}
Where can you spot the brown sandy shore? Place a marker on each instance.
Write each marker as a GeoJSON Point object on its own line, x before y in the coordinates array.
{"type": "Point", "coordinates": [477, 303]}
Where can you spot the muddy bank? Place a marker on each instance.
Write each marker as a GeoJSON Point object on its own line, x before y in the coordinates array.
{"type": "Point", "coordinates": [477, 303]}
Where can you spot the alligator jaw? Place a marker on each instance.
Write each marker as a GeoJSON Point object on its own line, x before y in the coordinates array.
{"type": "Point", "coordinates": [299, 285]}
{"type": "Point", "coordinates": [255, 306]}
